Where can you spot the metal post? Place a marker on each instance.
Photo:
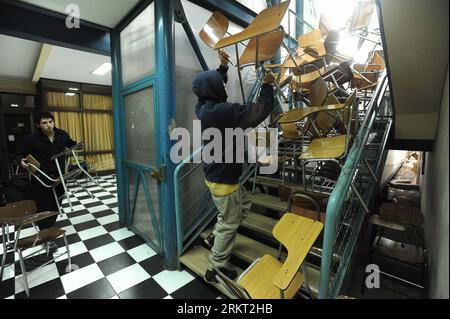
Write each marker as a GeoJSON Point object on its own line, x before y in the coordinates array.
{"type": "Point", "coordinates": [165, 91]}
{"type": "Point", "coordinates": [119, 130]}
{"type": "Point", "coordinates": [299, 11]}
{"type": "Point", "coordinates": [238, 66]}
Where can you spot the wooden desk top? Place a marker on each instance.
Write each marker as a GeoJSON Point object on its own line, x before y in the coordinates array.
{"type": "Point", "coordinates": [267, 48]}
{"type": "Point", "coordinates": [266, 21]}
{"type": "Point", "coordinates": [300, 113]}
{"type": "Point", "coordinates": [215, 29]}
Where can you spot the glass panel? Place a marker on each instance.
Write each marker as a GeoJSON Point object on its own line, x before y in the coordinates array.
{"type": "Point", "coordinates": [16, 100]}
{"type": "Point", "coordinates": [254, 5]}
{"type": "Point", "coordinates": [139, 127]}
{"type": "Point", "coordinates": [97, 102]}
{"type": "Point", "coordinates": [137, 45]}
{"type": "Point", "coordinates": [143, 219]}
{"type": "Point", "coordinates": [16, 127]}
{"type": "Point", "coordinates": [61, 99]}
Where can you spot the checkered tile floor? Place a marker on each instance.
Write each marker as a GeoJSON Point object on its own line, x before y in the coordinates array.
{"type": "Point", "coordinates": [113, 262]}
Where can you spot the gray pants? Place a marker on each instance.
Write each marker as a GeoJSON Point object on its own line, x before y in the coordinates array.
{"type": "Point", "coordinates": [233, 209]}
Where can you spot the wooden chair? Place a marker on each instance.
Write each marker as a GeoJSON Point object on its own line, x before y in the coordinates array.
{"type": "Point", "coordinates": [300, 125]}
{"type": "Point", "coordinates": [361, 15]}
{"type": "Point", "coordinates": [215, 29]}
{"type": "Point", "coordinates": [264, 33]}
{"type": "Point", "coordinates": [268, 277]}
{"type": "Point", "coordinates": [63, 177]}
{"type": "Point", "coordinates": [396, 235]}
{"type": "Point", "coordinates": [333, 148]}
{"type": "Point", "coordinates": [266, 21]}
{"type": "Point", "coordinates": [21, 214]}
{"type": "Point", "coordinates": [310, 49]}
{"type": "Point", "coordinates": [262, 48]}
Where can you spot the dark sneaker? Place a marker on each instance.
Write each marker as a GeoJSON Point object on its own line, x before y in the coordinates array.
{"type": "Point", "coordinates": [210, 275]}
{"type": "Point", "coordinates": [209, 241]}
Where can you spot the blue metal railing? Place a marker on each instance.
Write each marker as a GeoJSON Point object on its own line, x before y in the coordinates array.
{"type": "Point", "coordinates": [354, 192]}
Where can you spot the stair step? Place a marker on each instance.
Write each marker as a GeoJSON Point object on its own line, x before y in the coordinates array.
{"type": "Point", "coordinates": [275, 183]}
{"type": "Point", "coordinates": [269, 201]}
{"type": "Point", "coordinates": [196, 259]}
{"type": "Point", "coordinates": [246, 248]}
{"type": "Point", "coordinates": [260, 224]}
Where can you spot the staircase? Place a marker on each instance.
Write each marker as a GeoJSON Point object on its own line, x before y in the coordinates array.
{"type": "Point", "coordinates": [254, 239]}
{"type": "Point", "coordinates": [348, 206]}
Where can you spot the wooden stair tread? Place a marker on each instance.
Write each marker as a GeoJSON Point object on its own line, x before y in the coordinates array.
{"type": "Point", "coordinates": [259, 223]}
{"type": "Point", "coordinates": [196, 259]}
{"type": "Point", "coordinates": [403, 252]}
{"type": "Point", "coordinates": [377, 220]}
{"type": "Point", "coordinates": [248, 249]}
{"type": "Point", "coordinates": [273, 182]}
{"type": "Point", "coordinates": [269, 201]}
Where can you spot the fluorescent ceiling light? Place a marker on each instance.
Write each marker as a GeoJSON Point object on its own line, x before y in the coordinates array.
{"type": "Point", "coordinates": [103, 69]}
{"type": "Point", "coordinates": [15, 105]}
{"type": "Point", "coordinates": [73, 89]}
{"type": "Point", "coordinates": [70, 94]}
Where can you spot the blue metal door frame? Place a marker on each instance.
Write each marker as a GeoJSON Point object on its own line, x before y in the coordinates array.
{"type": "Point", "coordinates": [140, 169]}
{"type": "Point", "coordinates": [163, 82]}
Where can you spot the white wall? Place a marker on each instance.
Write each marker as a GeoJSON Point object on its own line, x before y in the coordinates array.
{"type": "Point", "coordinates": [394, 160]}
{"type": "Point", "coordinates": [435, 205]}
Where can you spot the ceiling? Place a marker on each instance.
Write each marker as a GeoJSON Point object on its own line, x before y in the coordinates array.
{"type": "Point", "coordinates": [416, 49]}
{"type": "Point", "coordinates": [19, 58]}
{"type": "Point", "coordinates": [106, 13]}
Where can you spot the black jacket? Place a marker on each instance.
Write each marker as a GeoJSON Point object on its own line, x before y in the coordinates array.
{"type": "Point", "coordinates": [39, 145]}
{"type": "Point", "coordinates": [214, 111]}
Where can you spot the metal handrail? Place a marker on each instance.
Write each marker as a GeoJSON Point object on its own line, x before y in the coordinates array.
{"type": "Point", "coordinates": [178, 209]}
{"type": "Point", "coordinates": [344, 186]}
{"type": "Point", "coordinates": [178, 205]}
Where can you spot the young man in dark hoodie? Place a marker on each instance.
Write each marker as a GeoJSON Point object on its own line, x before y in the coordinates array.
{"type": "Point", "coordinates": [222, 178]}
{"type": "Point", "coordinates": [46, 142]}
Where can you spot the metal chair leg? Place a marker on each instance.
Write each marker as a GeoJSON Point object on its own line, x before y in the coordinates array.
{"type": "Point", "coordinates": [57, 202]}
{"type": "Point", "coordinates": [24, 273]}
{"type": "Point", "coordinates": [5, 252]}
{"type": "Point", "coordinates": [69, 266]}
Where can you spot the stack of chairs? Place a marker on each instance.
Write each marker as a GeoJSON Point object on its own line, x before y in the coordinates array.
{"type": "Point", "coordinates": [321, 87]}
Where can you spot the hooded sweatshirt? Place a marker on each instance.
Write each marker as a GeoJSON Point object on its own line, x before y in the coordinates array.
{"type": "Point", "coordinates": [214, 111]}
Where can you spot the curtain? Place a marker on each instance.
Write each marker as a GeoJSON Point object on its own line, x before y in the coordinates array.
{"type": "Point", "coordinates": [71, 123]}
{"type": "Point", "coordinates": [60, 99]}
{"type": "Point", "coordinates": [98, 132]}
{"type": "Point", "coordinates": [97, 102]}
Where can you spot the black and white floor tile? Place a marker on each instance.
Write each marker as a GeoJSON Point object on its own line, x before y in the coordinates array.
{"type": "Point", "coordinates": [111, 262]}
